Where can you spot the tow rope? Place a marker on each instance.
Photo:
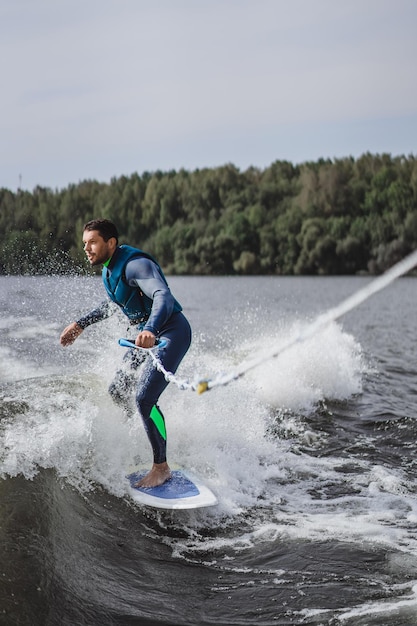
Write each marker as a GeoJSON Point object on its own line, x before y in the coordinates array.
{"type": "Point", "coordinates": [321, 322]}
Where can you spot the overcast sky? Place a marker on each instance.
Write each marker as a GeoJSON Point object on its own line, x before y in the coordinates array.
{"type": "Point", "coordinates": [93, 89]}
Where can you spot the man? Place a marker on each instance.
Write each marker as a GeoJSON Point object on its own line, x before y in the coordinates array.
{"type": "Point", "coordinates": [135, 282]}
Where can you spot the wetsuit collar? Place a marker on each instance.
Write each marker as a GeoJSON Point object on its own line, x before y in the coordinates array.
{"type": "Point", "coordinates": [107, 263]}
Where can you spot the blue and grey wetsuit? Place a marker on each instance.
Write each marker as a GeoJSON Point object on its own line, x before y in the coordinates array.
{"type": "Point", "coordinates": [135, 282]}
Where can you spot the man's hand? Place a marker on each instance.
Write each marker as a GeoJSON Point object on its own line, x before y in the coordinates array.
{"type": "Point", "coordinates": [70, 334]}
{"type": "Point", "coordinates": [145, 339]}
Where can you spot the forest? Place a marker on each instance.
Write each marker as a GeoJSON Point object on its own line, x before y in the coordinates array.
{"type": "Point", "coordinates": [328, 217]}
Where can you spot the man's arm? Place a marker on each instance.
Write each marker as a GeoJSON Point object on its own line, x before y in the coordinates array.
{"type": "Point", "coordinates": [74, 330]}
{"type": "Point", "coordinates": [143, 273]}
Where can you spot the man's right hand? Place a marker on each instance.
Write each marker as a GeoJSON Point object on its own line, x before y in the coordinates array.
{"type": "Point", "coordinates": [70, 334]}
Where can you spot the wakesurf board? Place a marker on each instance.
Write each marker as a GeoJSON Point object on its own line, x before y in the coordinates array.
{"type": "Point", "coordinates": [183, 490]}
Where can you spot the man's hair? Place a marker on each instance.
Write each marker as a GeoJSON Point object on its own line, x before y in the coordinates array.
{"type": "Point", "coordinates": [106, 228]}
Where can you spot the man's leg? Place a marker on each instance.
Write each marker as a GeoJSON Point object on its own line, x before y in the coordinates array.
{"type": "Point", "coordinates": [151, 384]}
{"type": "Point", "coordinates": [123, 384]}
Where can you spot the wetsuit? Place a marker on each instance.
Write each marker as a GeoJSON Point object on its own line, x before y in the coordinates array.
{"type": "Point", "coordinates": [158, 312]}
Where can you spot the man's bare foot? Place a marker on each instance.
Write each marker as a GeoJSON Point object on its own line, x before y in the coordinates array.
{"type": "Point", "coordinates": [158, 475]}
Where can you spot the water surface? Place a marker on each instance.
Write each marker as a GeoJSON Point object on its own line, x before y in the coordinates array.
{"type": "Point", "coordinates": [312, 456]}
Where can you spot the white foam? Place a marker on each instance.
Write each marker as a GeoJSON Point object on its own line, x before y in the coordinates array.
{"type": "Point", "coordinates": [12, 368]}
{"type": "Point", "coordinates": [328, 365]}
{"type": "Point", "coordinates": [384, 607]}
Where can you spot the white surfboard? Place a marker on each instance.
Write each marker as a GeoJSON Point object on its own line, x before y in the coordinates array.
{"type": "Point", "coordinates": [182, 491]}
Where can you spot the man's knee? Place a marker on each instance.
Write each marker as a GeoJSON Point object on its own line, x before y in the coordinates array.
{"type": "Point", "coordinates": [121, 387]}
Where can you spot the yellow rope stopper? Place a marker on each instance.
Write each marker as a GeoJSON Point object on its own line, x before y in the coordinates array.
{"type": "Point", "coordinates": [202, 386]}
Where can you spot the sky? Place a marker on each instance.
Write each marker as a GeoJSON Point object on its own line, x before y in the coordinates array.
{"type": "Point", "coordinates": [96, 89]}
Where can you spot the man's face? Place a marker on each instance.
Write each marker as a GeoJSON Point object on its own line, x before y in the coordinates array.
{"type": "Point", "coordinates": [97, 250]}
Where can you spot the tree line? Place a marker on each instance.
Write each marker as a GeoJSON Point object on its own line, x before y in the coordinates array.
{"type": "Point", "coordinates": [328, 217]}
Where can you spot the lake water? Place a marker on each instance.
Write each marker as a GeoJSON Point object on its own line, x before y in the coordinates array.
{"type": "Point", "coordinates": [312, 456]}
